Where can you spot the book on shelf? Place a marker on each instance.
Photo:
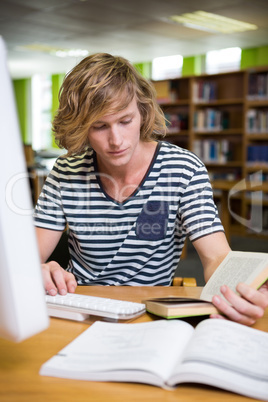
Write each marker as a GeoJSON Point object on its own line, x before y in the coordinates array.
{"type": "Point", "coordinates": [238, 266]}
{"type": "Point", "coordinates": [219, 151]}
{"type": "Point", "coordinates": [163, 91]}
{"type": "Point", "coordinates": [211, 120]}
{"type": "Point", "coordinates": [257, 121]}
{"type": "Point", "coordinates": [226, 176]}
{"type": "Point", "coordinates": [176, 122]}
{"type": "Point", "coordinates": [204, 91]}
{"type": "Point", "coordinates": [164, 353]}
{"type": "Point", "coordinates": [257, 154]}
{"type": "Point", "coordinates": [258, 86]}
{"type": "Point", "coordinates": [166, 90]}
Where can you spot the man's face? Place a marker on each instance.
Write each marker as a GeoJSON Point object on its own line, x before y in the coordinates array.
{"type": "Point", "coordinates": [116, 137]}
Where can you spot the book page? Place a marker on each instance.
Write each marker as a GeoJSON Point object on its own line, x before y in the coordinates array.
{"type": "Point", "coordinates": [230, 345]}
{"type": "Point", "coordinates": [228, 355]}
{"type": "Point", "coordinates": [144, 347]}
{"type": "Point", "coordinates": [237, 267]}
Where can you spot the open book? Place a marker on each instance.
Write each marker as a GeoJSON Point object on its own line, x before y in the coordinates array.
{"type": "Point", "coordinates": [166, 353]}
{"type": "Point", "coordinates": [238, 266]}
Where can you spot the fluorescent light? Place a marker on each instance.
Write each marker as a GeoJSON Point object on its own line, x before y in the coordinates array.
{"type": "Point", "coordinates": [212, 22]}
{"type": "Point", "coordinates": [36, 47]}
{"type": "Point", "coordinates": [71, 53]}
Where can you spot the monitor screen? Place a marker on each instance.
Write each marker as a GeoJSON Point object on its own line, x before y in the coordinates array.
{"type": "Point", "coordinates": [23, 311]}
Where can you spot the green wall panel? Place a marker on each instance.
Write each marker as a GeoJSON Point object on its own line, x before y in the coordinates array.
{"type": "Point", "coordinates": [254, 57]}
{"type": "Point", "coordinates": [145, 69]}
{"type": "Point", "coordinates": [22, 97]}
{"type": "Point", "coordinates": [192, 65]}
{"type": "Point", "coordinates": [263, 56]}
{"type": "Point", "coordinates": [188, 66]}
{"type": "Point", "coordinates": [57, 80]}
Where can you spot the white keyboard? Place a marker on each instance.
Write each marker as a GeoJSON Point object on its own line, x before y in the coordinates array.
{"type": "Point", "coordinates": [79, 307]}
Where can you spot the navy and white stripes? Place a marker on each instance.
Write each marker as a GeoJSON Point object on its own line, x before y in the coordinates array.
{"type": "Point", "coordinates": [139, 241]}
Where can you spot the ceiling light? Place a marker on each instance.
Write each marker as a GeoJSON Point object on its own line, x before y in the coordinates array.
{"type": "Point", "coordinates": [71, 53]}
{"type": "Point", "coordinates": [35, 47]}
{"type": "Point", "coordinates": [212, 22]}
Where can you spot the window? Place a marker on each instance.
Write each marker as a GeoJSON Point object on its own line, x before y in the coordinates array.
{"type": "Point", "coordinates": [219, 61]}
{"type": "Point", "coordinates": [167, 67]}
{"type": "Point", "coordinates": [41, 112]}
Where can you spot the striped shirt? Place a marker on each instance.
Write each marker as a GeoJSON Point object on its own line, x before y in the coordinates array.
{"type": "Point", "coordinates": [138, 241]}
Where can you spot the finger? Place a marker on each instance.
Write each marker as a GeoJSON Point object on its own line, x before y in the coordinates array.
{"type": "Point", "coordinates": [230, 312]}
{"type": "Point", "coordinates": [47, 280]}
{"type": "Point", "coordinates": [238, 308]}
{"type": "Point", "coordinates": [256, 297]}
{"type": "Point", "coordinates": [250, 304]}
{"type": "Point", "coordinates": [219, 316]}
{"type": "Point", "coordinates": [70, 282]}
{"type": "Point", "coordinates": [57, 274]}
{"type": "Point", "coordinates": [54, 278]}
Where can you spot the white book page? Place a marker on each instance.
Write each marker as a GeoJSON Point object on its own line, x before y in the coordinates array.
{"type": "Point", "coordinates": [230, 346]}
{"type": "Point", "coordinates": [200, 372]}
{"type": "Point", "coordinates": [228, 355]}
{"type": "Point", "coordinates": [237, 267]}
{"type": "Point", "coordinates": [151, 347]}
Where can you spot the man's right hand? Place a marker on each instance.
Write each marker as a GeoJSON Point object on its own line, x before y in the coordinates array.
{"type": "Point", "coordinates": [57, 280]}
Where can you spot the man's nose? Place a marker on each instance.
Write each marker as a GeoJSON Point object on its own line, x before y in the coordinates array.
{"type": "Point", "coordinates": [115, 137]}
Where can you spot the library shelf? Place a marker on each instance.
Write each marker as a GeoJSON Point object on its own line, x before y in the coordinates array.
{"type": "Point", "coordinates": [223, 118]}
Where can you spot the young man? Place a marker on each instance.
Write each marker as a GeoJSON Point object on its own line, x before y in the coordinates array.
{"type": "Point", "coordinates": [129, 200]}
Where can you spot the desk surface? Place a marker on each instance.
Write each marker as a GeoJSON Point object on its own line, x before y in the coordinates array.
{"type": "Point", "coordinates": [20, 363]}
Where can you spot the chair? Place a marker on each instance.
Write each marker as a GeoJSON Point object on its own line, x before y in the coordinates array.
{"type": "Point", "coordinates": [179, 281]}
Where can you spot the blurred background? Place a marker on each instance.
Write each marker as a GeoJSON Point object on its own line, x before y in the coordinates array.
{"type": "Point", "coordinates": [180, 46]}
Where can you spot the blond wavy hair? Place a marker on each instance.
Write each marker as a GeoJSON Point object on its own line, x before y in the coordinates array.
{"type": "Point", "coordinates": [103, 84]}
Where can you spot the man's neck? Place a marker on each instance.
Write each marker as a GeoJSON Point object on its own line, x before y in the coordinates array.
{"type": "Point", "coordinates": [122, 181]}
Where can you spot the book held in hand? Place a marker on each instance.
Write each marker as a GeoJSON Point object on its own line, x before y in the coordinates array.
{"type": "Point", "coordinates": [238, 266]}
{"type": "Point", "coordinates": [167, 353]}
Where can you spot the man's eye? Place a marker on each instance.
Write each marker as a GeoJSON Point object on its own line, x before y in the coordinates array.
{"type": "Point", "coordinates": [102, 127]}
{"type": "Point", "coordinates": [126, 121]}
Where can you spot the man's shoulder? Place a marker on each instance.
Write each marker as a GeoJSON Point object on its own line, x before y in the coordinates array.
{"type": "Point", "coordinates": [174, 152]}
{"type": "Point", "coordinates": [65, 162]}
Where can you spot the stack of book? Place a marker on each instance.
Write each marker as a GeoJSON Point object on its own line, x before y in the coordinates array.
{"type": "Point", "coordinates": [204, 91]}
{"type": "Point", "coordinates": [176, 122]}
{"type": "Point", "coordinates": [257, 121]}
{"type": "Point", "coordinates": [257, 154]}
{"type": "Point", "coordinates": [210, 120]}
{"type": "Point", "coordinates": [258, 86]}
{"type": "Point", "coordinates": [208, 151]}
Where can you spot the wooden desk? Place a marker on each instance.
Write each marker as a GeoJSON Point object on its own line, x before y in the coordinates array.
{"type": "Point", "coordinates": [20, 363]}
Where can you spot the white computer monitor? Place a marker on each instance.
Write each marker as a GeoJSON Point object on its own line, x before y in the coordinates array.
{"type": "Point", "coordinates": [23, 311]}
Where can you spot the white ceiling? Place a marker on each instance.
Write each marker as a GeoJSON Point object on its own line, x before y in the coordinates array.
{"type": "Point", "coordinates": [136, 29]}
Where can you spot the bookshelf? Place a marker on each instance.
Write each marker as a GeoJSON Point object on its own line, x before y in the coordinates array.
{"type": "Point", "coordinates": [256, 143]}
{"type": "Point", "coordinates": [223, 118]}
